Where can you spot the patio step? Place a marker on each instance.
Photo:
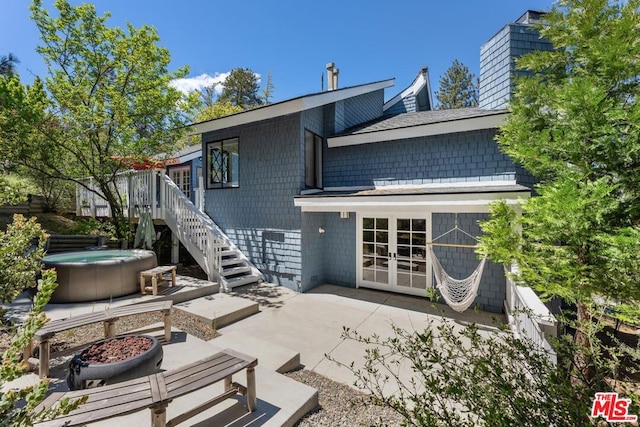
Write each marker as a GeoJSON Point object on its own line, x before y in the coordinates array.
{"type": "Point", "coordinates": [271, 356]}
{"type": "Point", "coordinates": [219, 309]}
{"type": "Point", "coordinates": [282, 401]}
{"type": "Point", "coordinates": [242, 280]}
{"type": "Point", "coordinates": [234, 271]}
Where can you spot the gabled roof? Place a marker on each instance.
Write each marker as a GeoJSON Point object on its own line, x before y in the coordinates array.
{"type": "Point", "coordinates": [290, 106]}
{"type": "Point", "coordinates": [422, 123]}
{"type": "Point", "coordinates": [420, 89]}
{"type": "Point", "coordinates": [185, 154]}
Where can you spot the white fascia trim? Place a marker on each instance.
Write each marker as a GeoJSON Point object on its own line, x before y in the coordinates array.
{"type": "Point", "coordinates": [413, 88]}
{"type": "Point", "coordinates": [349, 188]}
{"type": "Point", "coordinates": [464, 202]}
{"type": "Point", "coordinates": [457, 184]}
{"type": "Point", "coordinates": [288, 107]}
{"type": "Point", "coordinates": [452, 126]}
{"type": "Point", "coordinates": [175, 161]}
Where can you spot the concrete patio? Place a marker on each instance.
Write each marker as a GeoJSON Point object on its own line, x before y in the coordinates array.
{"type": "Point", "coordinates": [285, 330]}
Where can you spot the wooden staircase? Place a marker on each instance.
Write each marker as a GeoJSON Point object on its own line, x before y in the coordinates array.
{"type": "Point", "coordinates": [218, 256]}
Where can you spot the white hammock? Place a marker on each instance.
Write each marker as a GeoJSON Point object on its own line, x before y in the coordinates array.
{"type": "Point", "coordinates": [459, 294]}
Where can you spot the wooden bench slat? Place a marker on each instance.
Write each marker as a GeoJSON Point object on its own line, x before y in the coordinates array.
{"type": "Point", "coordinates": [188, 385]}
{"type": "Point", "coordinates": [109, 315]}
{"type": "Point", "coordinates": [194, 368]}
{"type": "Point", "coordinates": [175, 381]}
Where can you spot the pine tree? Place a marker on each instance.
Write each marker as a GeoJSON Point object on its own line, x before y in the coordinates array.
{"type": "Point", "coordinates": [241, 89]}
{"type": "Point", "coordinates": [457, 88]}
{"type": "Point", "coordinates": [8, 64]}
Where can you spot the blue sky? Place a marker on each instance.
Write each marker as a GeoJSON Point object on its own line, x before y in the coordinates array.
{"type": "Point", "coordinates": [369, 40]}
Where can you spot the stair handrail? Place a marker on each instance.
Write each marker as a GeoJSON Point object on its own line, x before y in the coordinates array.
{"type": "Point", "coordinates": [193, 224]}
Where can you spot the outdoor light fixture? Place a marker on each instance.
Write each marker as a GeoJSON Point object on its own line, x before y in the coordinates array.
{"type": "Point", "coordinates": [321, 230]}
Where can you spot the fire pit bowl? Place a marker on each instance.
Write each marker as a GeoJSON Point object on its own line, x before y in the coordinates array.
{"type": "Point", "coordinates": [114, 360]}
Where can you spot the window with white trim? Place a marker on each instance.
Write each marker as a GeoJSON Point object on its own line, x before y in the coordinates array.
{"type": "Point", "coordinates": [312, 160]}
{"type": "Point", "coordinates": [222, 163]}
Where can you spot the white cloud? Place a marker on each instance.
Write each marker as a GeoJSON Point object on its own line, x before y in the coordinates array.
{"type": "Point", "coordinates": [199, 82]}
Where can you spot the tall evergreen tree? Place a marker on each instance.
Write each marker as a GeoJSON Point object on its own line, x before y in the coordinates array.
{"type": "Point", "coordinates": [8, 64]}
{"type": "Point", "coordinates": [457, 88]}
{"type": "Point", "coordinates": [241, 88]}
{"type": "Point", "coordinates": [575, 124]}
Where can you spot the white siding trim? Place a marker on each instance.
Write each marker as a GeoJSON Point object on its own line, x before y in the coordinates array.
{"type": "Point", "coordinates": [466, 202]}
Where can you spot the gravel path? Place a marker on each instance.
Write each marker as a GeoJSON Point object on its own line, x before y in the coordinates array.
{"type": "Point", "coordinates": [340, 405]}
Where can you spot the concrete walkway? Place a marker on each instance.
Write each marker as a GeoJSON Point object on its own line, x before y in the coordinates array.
{"type": "Point", "coordinates": [312, 323]}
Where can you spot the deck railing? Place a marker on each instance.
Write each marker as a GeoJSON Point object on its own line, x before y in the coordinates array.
{"type": "Point", "coordinates": [529, 317]}
{"type": "Point", "coordinates": [136, 189]}
{"type": "Point", "coordinates": [153, 190]}
{"type": "Point", "coordinates": [197, 232]}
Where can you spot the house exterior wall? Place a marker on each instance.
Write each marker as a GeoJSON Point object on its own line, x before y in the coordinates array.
{"type": "Point", "coordinates": [459, 263]}
{"type": "Point", "coordinates": [259, 215]}
{"type": "Point", "coordinates": [329, 244]}
{"type": "Point", "coordinates": [497, 62]}
{"type": "Point", "coordinates": [459, 157]}
{"type": "Point", "coordinates": [404, 105]}
{"type": "Point", "coordinates": [352, 111]}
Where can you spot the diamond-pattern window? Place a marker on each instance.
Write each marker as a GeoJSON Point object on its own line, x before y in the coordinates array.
{"type": "Point", "coordinates": [222, 162]}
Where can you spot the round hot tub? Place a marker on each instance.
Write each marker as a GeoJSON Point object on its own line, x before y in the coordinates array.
{"type": "Point", "coordinates": [96, 275]}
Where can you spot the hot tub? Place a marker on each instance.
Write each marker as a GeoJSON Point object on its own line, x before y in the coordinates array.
{"type": "Point", "coordinates": [97, 275]}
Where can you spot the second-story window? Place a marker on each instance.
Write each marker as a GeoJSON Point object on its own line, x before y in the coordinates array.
{"type": "Point", "coordinates": [222, 163]}
{"type": "Point", "coordinates": [312, 160]}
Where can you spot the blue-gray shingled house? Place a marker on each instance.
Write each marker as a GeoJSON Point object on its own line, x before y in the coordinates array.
{"type": "Point", "coordinates": [342, 187]}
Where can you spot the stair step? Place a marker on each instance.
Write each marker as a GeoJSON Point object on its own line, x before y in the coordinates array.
{"type": "Point", "coordinates": [231, 261]}
{"type": "Point", "coordinates": [229, 253]}
{"type": "Point", "coordinates": [242, 280]}
{"type": "Point", "coordinates": [233, 271]}
{"type": "Point", "coordinates": [220, 309]}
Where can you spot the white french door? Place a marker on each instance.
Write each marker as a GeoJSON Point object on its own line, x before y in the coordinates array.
{"type": "Point", "coordinates": [392, 252]}
{"type": "Point", "coordinates": [182, 177]}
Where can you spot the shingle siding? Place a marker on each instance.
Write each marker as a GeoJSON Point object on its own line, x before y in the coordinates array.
{"type": "Point", "coordinates": [460, 263]}
{"type": "Point", "coordinates": [459, 157]}
{"type": "Point", "coordinates": [497, 62]}
{"type": "Point", "coordinates": [259, 215]}
{"type": "Point", "coordinates": [330, 256]}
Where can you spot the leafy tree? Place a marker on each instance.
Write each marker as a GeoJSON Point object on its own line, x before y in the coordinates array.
{"type": "Point", "coordinates": [217, 110]}
{"type": "Point", "coordinates": [8, 64]}
{"type": "Point", "coordinates": [575, 125]}
{"type": "Point", "coordinates": [457, 88]}
{"type": "Point", "coordinates": [19, 262]}
{"type": "Point", "coordinates": [241, 89]}
{"type": "Point", "coordinates": [107, 98]}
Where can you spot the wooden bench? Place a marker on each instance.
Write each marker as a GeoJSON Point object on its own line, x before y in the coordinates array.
{"type": "Point", "coordinates": [157, 277]}
{"type": "Point", "coordinates": [108, 317]}
{"type": "Point", "coordinates": [156, 392]}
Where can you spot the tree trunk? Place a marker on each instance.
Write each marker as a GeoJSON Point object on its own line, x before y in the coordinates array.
{"type": "Point", "coordinates": [583, 372]}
